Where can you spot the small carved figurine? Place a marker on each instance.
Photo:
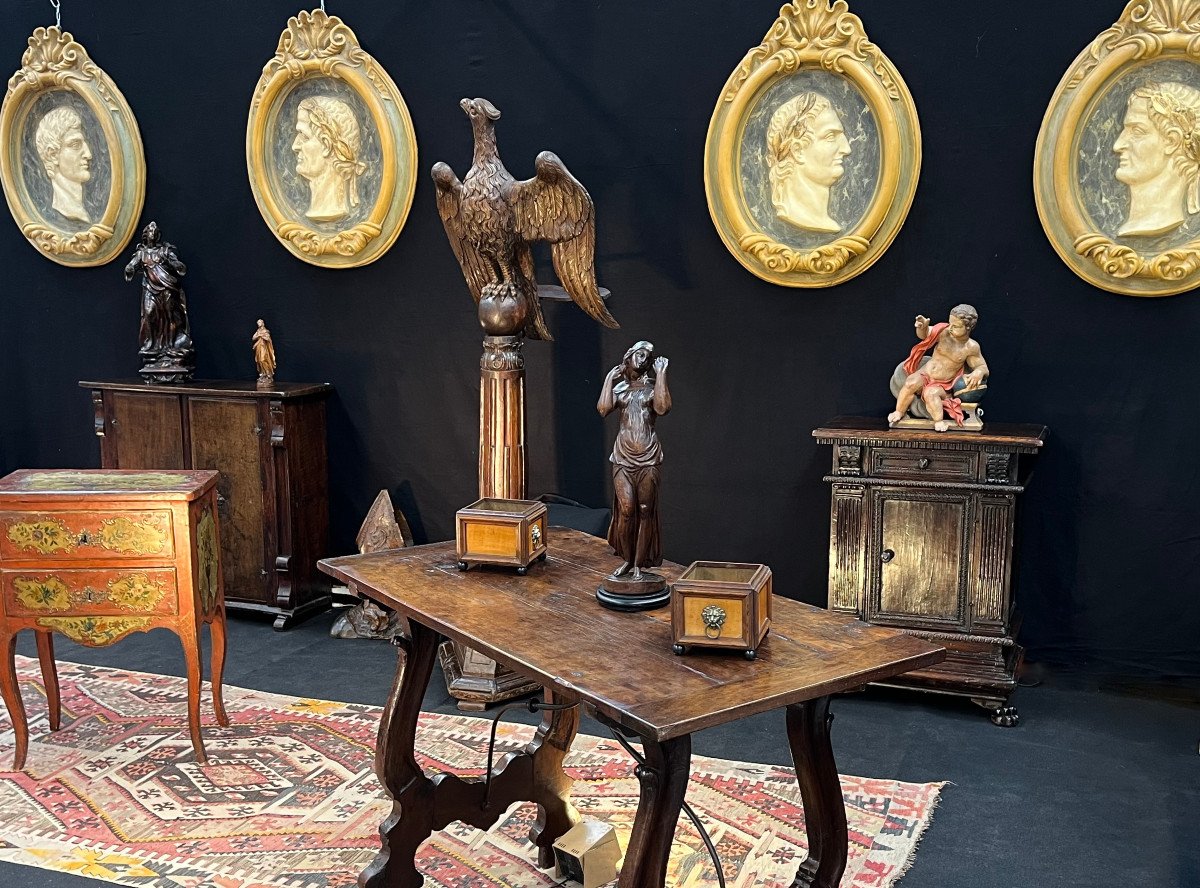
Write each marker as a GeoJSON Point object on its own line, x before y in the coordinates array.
{"type": "Point", "coordinates": [264, 355]}
{"type": "Point", "coordinates": [167, 351]}
{"type": "Point", "coordinates": [491, 219]}
{"type": "Point", "coordinates": [383, 528]}
{"type": "Point", "coordinates": [946, 386]}
{"type": "Point", "coordinates": [637, 387]}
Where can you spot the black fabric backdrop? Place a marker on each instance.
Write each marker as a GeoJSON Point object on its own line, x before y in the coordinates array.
{"type": "Point", "coordinates": [623, 92]}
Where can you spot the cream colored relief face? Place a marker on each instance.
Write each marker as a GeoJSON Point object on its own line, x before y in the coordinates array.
{"type": "Point", "coordinates": [1117, 166]}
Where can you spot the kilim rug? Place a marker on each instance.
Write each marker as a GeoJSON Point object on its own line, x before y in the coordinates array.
{"type": "Point", "coordinates": [289, 797]}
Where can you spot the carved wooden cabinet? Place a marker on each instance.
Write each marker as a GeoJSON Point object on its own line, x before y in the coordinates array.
{"type": "Point", "coordinates": [269, 446]}
{"type": "Point", "coordinates": [921, 537]}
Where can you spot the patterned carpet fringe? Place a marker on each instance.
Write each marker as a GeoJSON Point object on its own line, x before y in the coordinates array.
{"type": "Point", "coordinates": [289, 798]}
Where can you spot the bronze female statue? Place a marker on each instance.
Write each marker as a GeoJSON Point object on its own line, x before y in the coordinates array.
{"type": "Point", "coordinates": [167, 351]}
{"type": "Point", "coordinates": [638, 388]}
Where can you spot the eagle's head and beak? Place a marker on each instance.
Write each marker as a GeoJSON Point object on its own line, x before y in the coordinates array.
{"type": "Point", "coordinates": [481, 111]}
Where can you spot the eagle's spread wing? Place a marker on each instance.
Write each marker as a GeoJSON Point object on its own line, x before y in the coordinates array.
{"type": "Point", "coordinates": [476, 269]}
{"type": "Point", "coordinates": [554, 207]}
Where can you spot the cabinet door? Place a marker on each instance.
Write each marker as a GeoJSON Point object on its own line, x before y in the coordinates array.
{"type": "Point", "coordinates": [145, 431]}
{"type": "Point", "coordinates": [227, 435]}
{"type": "Point", "coordinates": [918, 557]}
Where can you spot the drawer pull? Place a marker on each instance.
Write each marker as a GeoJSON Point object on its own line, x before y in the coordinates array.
{"type": "Point", "coordinates": [714, 619]}
{"type": "Point", "coordinates": [887, 555]}
{"type": "Point", "coordinates": [923, 463]}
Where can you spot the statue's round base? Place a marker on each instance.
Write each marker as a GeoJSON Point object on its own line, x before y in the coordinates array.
{"type": "Point", "coordinates": [626, 594]}
{"type": "Point", "coordinates": [166, 373]}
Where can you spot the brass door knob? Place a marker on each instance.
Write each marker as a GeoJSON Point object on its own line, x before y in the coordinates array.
{"type": "Point", "coordinates": [887, 555]}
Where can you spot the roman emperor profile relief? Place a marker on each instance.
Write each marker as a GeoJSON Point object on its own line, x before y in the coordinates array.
{"type": "Point", "coordinates": [1159, 158]}
{"type": "Point", "coordinates": [806, 150]}
{"type": "Point", "coordinates": [1116, 169]}
{"type": "Point", "coordinates": [327, 147]}
{"type": "Point", "coordinates": [66, 159]}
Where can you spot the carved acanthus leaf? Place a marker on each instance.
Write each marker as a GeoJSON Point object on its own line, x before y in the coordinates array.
{"type": "Point", "coordinates": [1123, 262]}
{"type": "Point", "coordinates": [83, 243]}
{"type": "Point", "coordinates": [826, 260]}
{"type": "Point", "coordinates": [345, 243]}
{"type": "Point", "coordinates": [55, 56]}
{"type": "Point", "coordinates": [314, 37]}
{"type": "Point", "coordinates": [1143, 25]}
{"type": "Point", "coordinates": [815, 25]}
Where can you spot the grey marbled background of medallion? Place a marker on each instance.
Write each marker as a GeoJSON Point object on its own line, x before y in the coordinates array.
{"type": "Point", "coordinates": [33, 172]}
{"type": "Point", "coordinates": [1105, 199]}
{"type": "Point", "coordinates": [850, 196]}
{"type": "Point", "coordinates": [290, 189]}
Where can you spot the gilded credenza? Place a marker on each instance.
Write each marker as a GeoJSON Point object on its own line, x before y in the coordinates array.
{"type": "Point", "coordinates": [269, 446]}
{"type": "Point", "coordinates": [921, 537]}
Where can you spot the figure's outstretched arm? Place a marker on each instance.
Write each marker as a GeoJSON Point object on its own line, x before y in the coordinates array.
{"type": "Point", "coordinates": [606, 404]}
{"type": "Point", "coordinates": [921, 326]}
{"type": "Point", "coordinates": [176, 265]}
{"type": "Point", "coordinates": [132, 266]}
{"type": "Point", "coordinates": [662, 394]}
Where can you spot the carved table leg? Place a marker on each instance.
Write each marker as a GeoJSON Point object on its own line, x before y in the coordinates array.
{"type": "Point", "coordinates": [45, 650]}
{"type": "Point", "coordinates": [189, 636]}
{"type": "Point", "coordinates": [551, 785]}
{"type": "Point", "coordinates": [216, 631]}
{"type": "Point", "coordinates": [11, 692]}
{"type": "Point", "coordinates": [421, 805]}
{"type": "Point", "coordinates": [411, 820]}
{"type": "Point", "coordinates": [663, 783]}
{"type": "Point", "coordinates": [824, 808]}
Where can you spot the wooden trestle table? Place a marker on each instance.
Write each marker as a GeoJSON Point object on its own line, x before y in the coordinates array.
{"type": "Point", "coordinates": [549, 627]}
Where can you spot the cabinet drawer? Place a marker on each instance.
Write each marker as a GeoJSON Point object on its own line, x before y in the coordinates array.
{"type": "Point", "coordinates": [89, 592]}
{"type": "Point", "coordinates": [75, 536]}
{"type": "Point", "coordinates": [935, 465]}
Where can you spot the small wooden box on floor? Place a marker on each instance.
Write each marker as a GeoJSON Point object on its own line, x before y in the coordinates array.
{"type": "Point", "coordinates": [921, 537]}
{"type": "Point", "coordinates": [718, 604]}
{"type": "Point", "coordinates": [96, 555]}
{"type": "Point", "coordinates": [273, 493]}
{"type": "Point", "coordinates": [502, 532]}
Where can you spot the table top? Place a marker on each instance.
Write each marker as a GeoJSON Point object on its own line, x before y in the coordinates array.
{"type": "Point", "coordinates": [66, 484]}
{"type": "Point", "coordinates": [549, 627]}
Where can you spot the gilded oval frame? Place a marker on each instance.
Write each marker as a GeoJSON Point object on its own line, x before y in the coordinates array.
{"type": "Point", "coordinates": [315, 46]}
{"type": "Point", "coordinates": [1147, 31]}
{"type": "Point", "coordinates": [55, 62]}
{"type": "Point", "coordinates": [814, 35]}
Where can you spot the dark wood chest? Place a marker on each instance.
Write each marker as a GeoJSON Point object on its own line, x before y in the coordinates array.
{"type": "Point", "coordinates": [269, 446]}
{"type": "Point", "coordinates": [921, 537]}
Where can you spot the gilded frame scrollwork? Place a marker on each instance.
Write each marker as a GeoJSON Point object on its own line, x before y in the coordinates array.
{"type": "Point", "coordinates": [316, 45]}
{"type": "Point", "coordinates": [821, 35]}
{"type": "Point", "coordinates": [1147, 31]}
{"type": "Point", "coordinates": [55, 62]}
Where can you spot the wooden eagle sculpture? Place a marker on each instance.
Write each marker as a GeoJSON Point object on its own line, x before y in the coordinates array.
{"type": "Point", "coordinates": [491, 219]}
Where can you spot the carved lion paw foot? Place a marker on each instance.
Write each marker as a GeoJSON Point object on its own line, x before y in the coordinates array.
{"type": "Point", "coordinates": [1005, 716]}
{"type": "Point", "coordinates": [941, 426]}
{"type": "Point", "coordinates": [894, 417]}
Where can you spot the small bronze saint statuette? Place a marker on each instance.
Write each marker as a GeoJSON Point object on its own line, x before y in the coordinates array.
{"type": "Point", "coordinates": [167, 351]}
{"type": "Point", "coordinates": [264, 355]}
{"type": "Point", "coordinates": [932, 392]}
{"type": "Point", "coordinates": [637, 387]}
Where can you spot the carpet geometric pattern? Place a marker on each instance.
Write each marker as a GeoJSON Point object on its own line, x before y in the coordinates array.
{"type": "Point", "coordinates": [289, 798]}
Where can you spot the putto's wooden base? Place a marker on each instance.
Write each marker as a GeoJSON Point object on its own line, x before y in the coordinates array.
{"type": "Point", "coordinates": [477, 681]}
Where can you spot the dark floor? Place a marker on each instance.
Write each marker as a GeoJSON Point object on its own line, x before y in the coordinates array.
{"type": "Point", "coordinates": [1092, 790]}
